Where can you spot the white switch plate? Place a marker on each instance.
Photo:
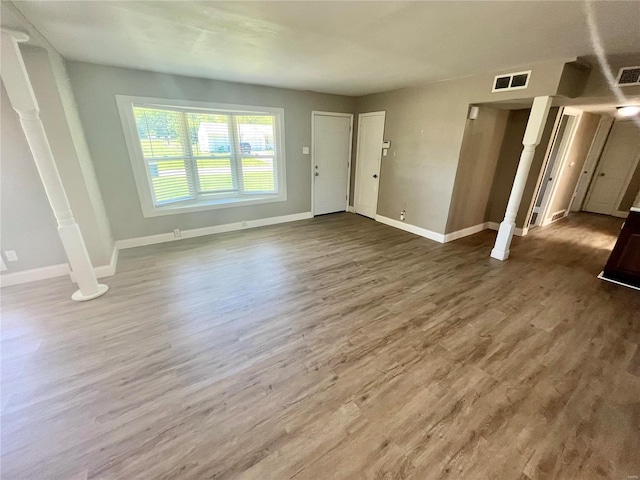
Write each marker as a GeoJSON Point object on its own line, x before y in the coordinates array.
{"type": "Point", "coordinates": [305, 150]}
{"type": "Point", "coordinates": [11, 255]}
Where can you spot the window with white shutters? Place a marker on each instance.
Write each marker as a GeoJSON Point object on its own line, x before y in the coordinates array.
{"type": "Point", "coordinates": [198, 156]}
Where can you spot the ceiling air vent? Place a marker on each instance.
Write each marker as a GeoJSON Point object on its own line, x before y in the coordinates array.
{"type": "Point", "coordinates": [628, 76]}
{"type": "Point", "coordinates": [511, 81]}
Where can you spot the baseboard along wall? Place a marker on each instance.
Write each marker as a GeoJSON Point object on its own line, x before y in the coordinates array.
{"type": "Point", "coordinates": [108, 270]}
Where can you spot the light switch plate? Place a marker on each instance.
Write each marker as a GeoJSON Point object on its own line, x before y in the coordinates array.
{"type": "Point", "coordinates": [11, 255]}
{"type": "Point", "coordinates": [305, 150]}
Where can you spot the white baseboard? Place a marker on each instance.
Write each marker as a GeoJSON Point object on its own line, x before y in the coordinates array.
{"type": "Point", "coordinates": [602, 277]}
{"type": "Point", "coordinates": [34, 274]}
{"type": "Point", "coordinates": [199, 232]}
{"type": "Point", "coordinates": [60, 270]}
{"type": "Point", "coordinates": [351, 209]}
{"type": "Point", "coordinates": [423, 232]}
{"type": "Point", "coordinates": [520, 232]}
{"type": "Point", "coordinates": [465, 232]}
{"type": "Point", "coordinates": [108, 270]}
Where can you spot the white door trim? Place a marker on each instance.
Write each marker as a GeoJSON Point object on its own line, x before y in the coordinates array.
{"type": "Point", "coordinates": [593, 157]}
{"type": "Point", "coordinates": [544, 216]}
{"type": "Point", "coordinates": [532, 207]}
{"type": "Point", "coordinates": [356, 188]}
{"type": "Point", "coordinates": [315, 113]}
{"type": "Point", "coordinates": [625, 187]}
{"type": "Point", "coordinates": [623, 190]}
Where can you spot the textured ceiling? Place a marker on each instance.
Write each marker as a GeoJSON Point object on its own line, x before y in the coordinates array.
{"type": "Point", "coordinates": [350, 48]}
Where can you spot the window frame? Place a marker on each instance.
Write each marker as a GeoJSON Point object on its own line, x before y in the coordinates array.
{"type": "Point", "coordinates": [206, 201]}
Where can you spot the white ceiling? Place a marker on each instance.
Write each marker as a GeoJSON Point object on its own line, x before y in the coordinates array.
{"type": "Point", "coordinates": [351, 48]}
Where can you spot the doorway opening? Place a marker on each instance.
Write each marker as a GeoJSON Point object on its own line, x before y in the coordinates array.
{"type": "Point", "coordinates": [554, 166]}
{"type": "Point", "coordinates": [617, 175]}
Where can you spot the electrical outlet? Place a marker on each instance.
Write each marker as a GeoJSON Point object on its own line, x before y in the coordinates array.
{"type": "Point", "coordinates": [11, 255]}
{"type": "Point", "coordinates": [176, 233]}
{"type": "Point", "coordinates": [403, 215]}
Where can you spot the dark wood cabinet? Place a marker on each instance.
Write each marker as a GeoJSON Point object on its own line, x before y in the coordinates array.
{"type": "Point", "coordinates": [624, 262]}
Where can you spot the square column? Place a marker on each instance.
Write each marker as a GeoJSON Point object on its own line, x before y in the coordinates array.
{"type": "Point", "coordinates": [531, 139]}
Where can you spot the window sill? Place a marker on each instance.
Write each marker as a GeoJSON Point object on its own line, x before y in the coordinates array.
{"type": "Point", "coordinates": [213, 204]}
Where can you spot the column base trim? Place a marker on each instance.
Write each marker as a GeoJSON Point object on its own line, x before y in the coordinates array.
{"type": "Point", "coordinates": [79, 297]}
{"type": "Point", "coordinates": [519, 232]}
{"type": "Point", "coordinates": [500, 254]}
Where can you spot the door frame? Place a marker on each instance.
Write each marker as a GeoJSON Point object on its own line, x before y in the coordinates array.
{"type": "Point", "coordinates": [315, 113]}
{"type": "Point", "coordinates": [356, 187]}
{"type": "Point", "coordinates": [623, 190]}
{"type": "Point", "coordinates": [558, 168]}
{"type": "Point", "coordinates": [591, 163]}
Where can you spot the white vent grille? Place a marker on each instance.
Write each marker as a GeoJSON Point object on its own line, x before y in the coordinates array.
{"type": "Point", "coordinates": [511, 81]}
{"type": "Point", "coordinates": [628, 76]}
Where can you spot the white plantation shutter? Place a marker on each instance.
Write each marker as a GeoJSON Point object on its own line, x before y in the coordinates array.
{"type": "Point", "coordinates": [213, 152]}
{"type": "Point", "coordinates": [204, 155]}
{"type": "Point", "coordinates": [256, 138]}
{"type": "Point", "coordinates": [165, 151]}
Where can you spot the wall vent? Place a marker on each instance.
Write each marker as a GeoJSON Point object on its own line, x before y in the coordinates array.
{"type": "Point", "coordinates": [558, 215]}
{"type": "Point", "coordinates": [628, 76]}
{"type": "Point", "coordinates": [511, 81]}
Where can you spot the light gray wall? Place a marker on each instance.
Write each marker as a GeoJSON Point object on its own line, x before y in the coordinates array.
{"type": "Point", "coordinates": [64, 130]}
{"type": "Point", "coordinates": [27, 224]}
{"type": "Point", "coordinates": [426, 126]}
{"type": "Point", "coordinates": [76, 177]}
{"type": "Point", "coordinates": [95, 88]}
{"type": "Point", "coordinates": [103, 239]}
{"type": "Point", "coordinates": [476, 168]}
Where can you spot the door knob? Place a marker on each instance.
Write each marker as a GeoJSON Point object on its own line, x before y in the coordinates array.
{"type": "Point", "coordinates": [317, 174]}
{"type": "Point", "coordinates": [601, 175]}
{"type": "Point", "coordinates": [375, 175]}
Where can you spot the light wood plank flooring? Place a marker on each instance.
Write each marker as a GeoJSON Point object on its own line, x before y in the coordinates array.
{"type": "Point", "coordinates": [330, 348]}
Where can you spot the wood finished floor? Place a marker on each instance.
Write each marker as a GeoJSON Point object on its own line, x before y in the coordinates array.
{"type": "Point", "coordinates": [330, 348]}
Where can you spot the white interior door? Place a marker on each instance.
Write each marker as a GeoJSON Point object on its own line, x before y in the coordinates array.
{"type": "Point", "coordinates": [331, 158]}
{"type": "Point", "coordinates": [370, 138]}
{"type": "Point", "coordinates": [595, 151]}
{"type": "Point", "coordinates": [617, 163]}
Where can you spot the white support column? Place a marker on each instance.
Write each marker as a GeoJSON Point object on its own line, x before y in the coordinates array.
{"type": "Point", "coordinates": [23, 100]}
{"type": "Point", "coordinates": [531, 139]}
